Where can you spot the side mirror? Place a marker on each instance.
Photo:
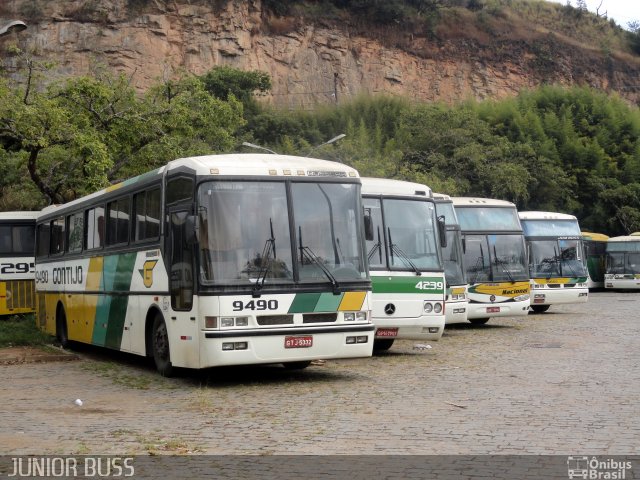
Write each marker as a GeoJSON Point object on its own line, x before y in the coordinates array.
{"type": "Point", "coordinates": [442, 231]}
{"type": "Point", "coordinates": [368, 225]}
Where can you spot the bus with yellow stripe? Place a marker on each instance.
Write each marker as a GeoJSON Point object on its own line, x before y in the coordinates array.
{"type": "Point", "coordinates": [457, 302]}
{"type": "Point", "coordinates": [623, 262]}
{"type": "Point", "coordinates": [210, 261]}
{"type": "Point", "coordinates": [595, 248]}
{"type": "Point", "coordinates": [557, 264]}
{"type": "Point", "coordinates": [403, 237]}
{"type": "Point", "coordinates": [17, 289]}
{"type": "Point", "coordinates": [494, 258]}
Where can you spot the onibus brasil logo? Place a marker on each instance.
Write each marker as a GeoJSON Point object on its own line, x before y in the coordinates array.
{"type": "Point", "coordinates": [597, 469]}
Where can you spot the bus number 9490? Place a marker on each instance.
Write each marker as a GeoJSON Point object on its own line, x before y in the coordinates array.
{"type": "Point", "coordinates": [239, 305]}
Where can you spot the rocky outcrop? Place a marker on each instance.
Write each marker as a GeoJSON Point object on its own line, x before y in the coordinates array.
{"type": "Point", "coordinates": [308, 63]}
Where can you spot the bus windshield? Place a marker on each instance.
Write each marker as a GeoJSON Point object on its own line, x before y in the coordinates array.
{"type": "Point", "coordinates": [17, 239]}
{"type": "Point", "coordinates": [488, 218]}
{"type": "Point", "coordinates": [245, 233]}
{"type": "Point", "coordinates": [495, 258]}
{"type": "Point", "coordinates": [407, 238]}
{"type": "Point", "coordinates": [452, 257]}
{"type": "Point", "coordinates": [549, 258]}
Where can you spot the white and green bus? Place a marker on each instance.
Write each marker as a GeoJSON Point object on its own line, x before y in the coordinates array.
{"type": "Point", "coordinates": [595, 248]}
{"type": "Point", "coordinates": [557, 264]}
{"type": "Point", "coordinates": [623, 263]}
{"type": "Point", "coordinates": [403, 244]}
{"type": "Point", "coordinates": [494, 258]}
{"type": "Point", "coordinates": [209, 261]}
{"type": "Point", "coordinates": [456, 300]}
{"type": "Point", "coordinates": [17, 290]}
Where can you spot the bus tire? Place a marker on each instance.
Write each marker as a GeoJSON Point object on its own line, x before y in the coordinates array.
{"type": "Point", "coordinates": [478, 321]}
{"type": "Point", "coordinates": [296, 365]}
{"type": "Point", "coordinates": [62, 332]}
{"type": "Point", "coordinates": [160, 347]}
{"type": "Point", "coordinates": [381, 345]}
{"type": "Point", "coordinates": [540, 308]}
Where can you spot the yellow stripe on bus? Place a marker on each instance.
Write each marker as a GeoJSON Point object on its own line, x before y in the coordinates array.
{"type": "Point", "coordinates": [352, 301]}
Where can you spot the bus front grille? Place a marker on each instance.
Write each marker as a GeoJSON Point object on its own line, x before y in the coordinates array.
{"type": "Point", "coordinates": [265, 320]}
{"type": "Point", "coordinates": [21, 294]}
{"type": "Point", "coordinates": [319, 317]}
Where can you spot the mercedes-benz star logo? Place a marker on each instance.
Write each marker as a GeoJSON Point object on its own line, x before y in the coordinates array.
{"type": "Point", "coordinates": [389, 309]}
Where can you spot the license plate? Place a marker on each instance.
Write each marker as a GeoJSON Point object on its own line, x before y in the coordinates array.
{"type": "Point", "coordinates": [493, 309]}
{"type": "Point", "coordinates": [298, 342]}
{"type": "Point", "coordinates": [387, 332]}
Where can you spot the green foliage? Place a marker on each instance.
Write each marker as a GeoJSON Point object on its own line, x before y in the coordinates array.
{"type": "Point", "coordinates": [75, 136]}
{"type": "Point", "coordinates": [17, 331]}
{"type": "Point", "coordinates": [567, 150]}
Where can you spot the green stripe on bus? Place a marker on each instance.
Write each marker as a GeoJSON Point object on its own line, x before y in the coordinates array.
{"type": "Point", "coordinates": [118, 310]}
{"type": "Point", "coordinates": [304, 302]}
{"type": "Point", "coordinates": [328, 302]}
{"type": "Point", "coordinates": [413, 284]}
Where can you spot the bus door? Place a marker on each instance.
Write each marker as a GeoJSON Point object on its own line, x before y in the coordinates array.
{"type": "Point", "coordinates": [181, 320]}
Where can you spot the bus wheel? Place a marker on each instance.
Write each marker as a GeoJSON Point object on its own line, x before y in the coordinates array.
{"type": "Point", "coordinates": [540, 308]}
{"type": "Point", "coordinates": [61, 328]}
{"type": "Point", "coordinates": [478, 321]}
{"type": "Point", "coordinates": [381, 345]}
{"type": "Point", "coordinates": [160, 347]}
{"type": "Point", "coordinates": [297, 365]}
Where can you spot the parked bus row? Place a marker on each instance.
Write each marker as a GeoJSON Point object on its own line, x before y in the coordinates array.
{"type": "Point", "coordinates": [246, 259]}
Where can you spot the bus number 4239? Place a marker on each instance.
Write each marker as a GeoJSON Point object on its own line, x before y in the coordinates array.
{"type": "Point", "coordinates": [239, 305]}
{"type": "Point", "coordinates": [424, 285]}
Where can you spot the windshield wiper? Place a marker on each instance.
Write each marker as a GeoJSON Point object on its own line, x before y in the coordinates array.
{"type": "Point", "coordinates": [376, 246]}
{"type": "Point", "coordinates": [268, 252]}
{"type": "Point", "coordinates": [306, 252]}
{"type": "Point", "coordinates": [478, 267]}
{"type": "Point", "coordinates": [503, 264]}
{"type": "Point", "coordinates": [393, 248]}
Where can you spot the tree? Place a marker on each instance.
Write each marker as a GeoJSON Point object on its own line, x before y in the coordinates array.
{"type": "Point", "coordinates": [80, 134]}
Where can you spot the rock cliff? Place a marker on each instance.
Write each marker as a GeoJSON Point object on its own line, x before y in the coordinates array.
{"type": "Point", "coordinates": [309, 62]}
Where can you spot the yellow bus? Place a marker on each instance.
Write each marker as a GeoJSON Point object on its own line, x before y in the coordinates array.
{"type": "Point", "coordinates": [17, 233]}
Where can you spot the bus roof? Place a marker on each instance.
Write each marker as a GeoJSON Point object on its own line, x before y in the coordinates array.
{"type": "Point", "coordinates": [545, 216]}
{"type": "Point", "coordinates": [480, 202]}
{"type": "Point", "coordinates": [625, 238]}
{"type": "Point", "coordinates": [384, 186]}
{"type": "Point", "coordinates": [599, 237]}
{"type": "Point", "coordinates": [26, 215]}
{"type": "Point", "coordinates": [442, 197]}
{"type": "Point", "coordinates": [233, 164]}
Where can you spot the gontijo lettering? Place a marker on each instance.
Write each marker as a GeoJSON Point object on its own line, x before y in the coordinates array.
{"type": "Point", "coordinates": [67, 275]}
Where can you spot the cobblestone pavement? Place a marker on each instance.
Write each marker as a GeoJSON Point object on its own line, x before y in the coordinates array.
{"type": "Point", "coordinates": [565, 382]}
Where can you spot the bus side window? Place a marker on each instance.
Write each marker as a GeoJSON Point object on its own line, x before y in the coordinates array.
{"type": "Point", "coordinates": [42, 240]}
{"type": "Point", "coordinates": [57, 236]}
{"type": "Point", "coordinates": [94, 232]}
{"type": "Point", "coordinates": [76, 229]}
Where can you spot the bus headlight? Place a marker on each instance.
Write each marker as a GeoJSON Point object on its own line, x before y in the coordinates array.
{"type": "Point", "coordinates": [226, 321]}
{"type": "Point", "coordinates": [349, 316]}
{"type": "Point", "coordinates": [361, 316]}
{"type": "Point", "coordinates": [437, 307]}
{"type": "Point", "coordinates": [521, 298]}
{"type": "Point", "coordinates": [242, 322]}
{"type": "Point", "coordinates": [428, 308]}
